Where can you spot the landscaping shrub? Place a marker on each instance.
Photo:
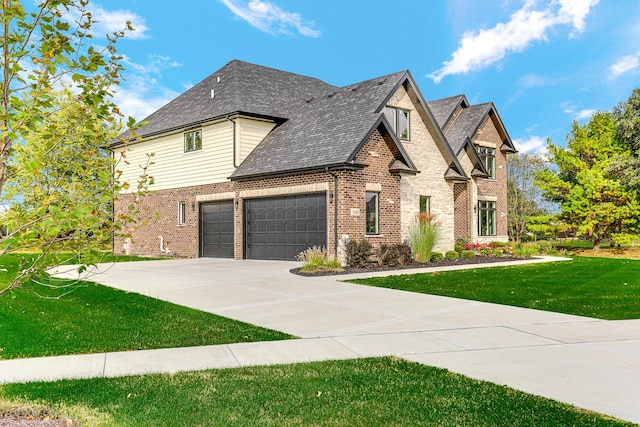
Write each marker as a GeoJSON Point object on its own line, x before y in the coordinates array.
{"type": "Point", "coordinates": [526, 249]}
{"type": "Point", "coordinates": [316, 259]}
{"type": "Point", "coordinates": [483, 250]}
{"type": "Point", "coordinates": [436, 256]}
{"type": "Point", "coordinates": [393, 255]}
{"type": "Point", "coordinates": [544, 247]}
{"type": "Point", "coordinates": [404, 253]}
{"type": "Point", "coordinates": [452, 255]}
{"type": "Point", "coordinates": [458, 248]}
{"type": "Point", "coordinates": [424, 234]}
{"type": "Point", "coordinates": [467, 254]}
{"type": "Point", "coordinates": [387, 255]}
{"type": "Point", "coordinates": [358, 253]}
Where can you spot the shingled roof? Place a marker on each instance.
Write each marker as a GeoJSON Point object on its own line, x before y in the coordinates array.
{"type": "Point", "coordinates": [238, 87]}
{"type": "Point", "coordinates": [459, 129]}
{"type": "Point", "coordinates": [319, 125]}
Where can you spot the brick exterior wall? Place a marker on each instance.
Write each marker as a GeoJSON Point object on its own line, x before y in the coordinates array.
{"type": "Point", "coordinates": [463, 210]}
{"type": "Point", "coordinates": [493, 188]}
{"type": "Point", "coordinates": [161, 218]}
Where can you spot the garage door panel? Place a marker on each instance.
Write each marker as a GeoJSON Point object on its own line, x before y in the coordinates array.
{"type": "Point", "coordinates": [282, 227]}
{"type": "Point", "coordinates": [216, 229]}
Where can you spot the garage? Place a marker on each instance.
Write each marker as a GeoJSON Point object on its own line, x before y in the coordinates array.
{"type": "Point", "coordinates": [216, 229]}
{"type": "Point", "coordinates": [279, 228]}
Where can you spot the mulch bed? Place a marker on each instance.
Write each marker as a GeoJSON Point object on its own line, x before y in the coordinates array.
{"type": "Point", "coordinates": [373, 267]}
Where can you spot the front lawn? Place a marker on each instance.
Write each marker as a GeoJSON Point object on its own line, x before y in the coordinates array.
{"type": "Point", "coordinates": [364, 392]}
{"type": "Point", "coordinates": [95, 318]}
{"type": "Point", "coordinates": [594, 287]}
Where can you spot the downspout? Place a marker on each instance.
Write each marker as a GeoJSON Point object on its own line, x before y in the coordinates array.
{"type": "Point", "coordinates": [335, 212]}
{"type": "Point", "coordinates": [234, 141]}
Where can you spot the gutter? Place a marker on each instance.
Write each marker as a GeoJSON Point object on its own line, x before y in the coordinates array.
{"type": "Point", "coordinates": [335, 212]}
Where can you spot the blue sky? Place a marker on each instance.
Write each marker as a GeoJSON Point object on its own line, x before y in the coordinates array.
{"type": "Point", "coordinates": [544, 63]}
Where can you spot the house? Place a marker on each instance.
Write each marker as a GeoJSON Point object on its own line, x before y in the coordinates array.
{"type": "Point", "coordinates": [259, 163]}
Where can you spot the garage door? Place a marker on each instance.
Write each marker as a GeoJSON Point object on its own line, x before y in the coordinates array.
{"type": "Point", "coordinates": [216, 229]}
{"type": "Point", "coordinates": [282, 227]}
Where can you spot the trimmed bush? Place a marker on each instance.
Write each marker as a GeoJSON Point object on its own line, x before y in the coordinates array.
{"type": "Point", "coordinates": [358, 253]}
{"type": "Point", "coordinates": [458, 248]}
{"type": "Point", "coordinates": [485, 251]}
{"type": "Point", "coordinates": [436, 256]}
{"type": "Point", "coordinates": [452, 255]}
{"type": "Point", "coordinates": [467, 254]}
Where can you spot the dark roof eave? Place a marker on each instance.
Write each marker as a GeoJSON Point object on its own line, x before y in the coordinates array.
{"type": "Point", "coordinates": [312, 169]}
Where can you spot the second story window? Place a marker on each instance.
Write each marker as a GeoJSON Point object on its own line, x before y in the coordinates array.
{"type": "Point", "coordinates": [488, 157]}
{"type": "Point", "coordinates": [193, 141]}
{"type": "Point", "coordinates": [399, 119]}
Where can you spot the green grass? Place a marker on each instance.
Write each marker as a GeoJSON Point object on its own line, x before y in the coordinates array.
{"type": "Point", "coordinates": [364, 392]}
{"type": "Point", "coordinates": [604, 288]}
{"type": "Point", "coordinates": [95, 318]}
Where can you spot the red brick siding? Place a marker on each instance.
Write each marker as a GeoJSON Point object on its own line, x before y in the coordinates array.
{"type": "Point", "coordinates": [183, 240]}
{"type": "Point", "coordinates": [495, 187]}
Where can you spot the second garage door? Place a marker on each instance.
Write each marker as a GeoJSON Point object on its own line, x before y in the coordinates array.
{"type": "Point", "coordinates": [282, 227]}
{"type": "Point", "coordinates": [216, 229]}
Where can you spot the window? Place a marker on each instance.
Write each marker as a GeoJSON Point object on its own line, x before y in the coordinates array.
{"type": "Point", "coordinates": [488, 157]}
{"type": "Point", "coordinates": [373, 214]}
{"type": "Point", "coordinates": [425, 205]}
{"type": "Point", "coordinates": [486, 218]}
{"type": "Point", "coordinates": [399, 120]}
{"type": "Point", "coordinates": [193, 141]}
{"type": "Point", "coordinates": [182, 213]}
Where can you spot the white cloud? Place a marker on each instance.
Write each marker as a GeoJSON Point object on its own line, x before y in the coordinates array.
{"type": "Point", "coordinates": [479, 49]}
{"type": "Point", "coordinates": [110, 21]}
{"type": "Point", "coordinates": [115, 20]}
{"type": "Point", "coordinates": [532, 145]}
{"type": "Point", "coordinates": [624, 64]}
{"type": "Point", "coordinates": [140, 95]}
{"type": "Point", "coordinates": [270, 18]}
{"type": "Point", "coordinates": [575, 114]}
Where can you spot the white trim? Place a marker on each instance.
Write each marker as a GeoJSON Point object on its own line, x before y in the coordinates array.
{"type": "Point", "coordinates": [373, 187]}
{"type": "Point", "coordinates": [214, 197]}
{"type": "Point", "coordinates": [487, 198]}
{"type": "Point", "coordinates": [281, 191]}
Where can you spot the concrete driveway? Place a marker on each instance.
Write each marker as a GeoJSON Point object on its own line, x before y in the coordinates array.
{"type": "Point", "coordinates": [590, 363]}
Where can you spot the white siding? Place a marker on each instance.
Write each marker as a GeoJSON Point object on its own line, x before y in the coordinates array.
{"type": "Point", "coordinates": [250, 133]}
{"type": "Point", "coordinates": [173, 167]}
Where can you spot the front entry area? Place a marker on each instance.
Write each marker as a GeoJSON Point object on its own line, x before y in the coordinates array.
{"type": "Point", "coordinates": [279, 228]}
{"type": "Point", "coordinates": [216, 229]}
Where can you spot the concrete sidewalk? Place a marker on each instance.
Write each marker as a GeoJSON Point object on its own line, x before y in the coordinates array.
{"type": "Point", "coordinates": [586, 362]}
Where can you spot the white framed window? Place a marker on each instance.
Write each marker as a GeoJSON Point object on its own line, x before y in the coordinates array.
{"type": "Point", "coordinates": [488, 157]}
{"type": "Point", "coordinates": [182, 213]}
{"type": "Point", "coordinates": [193, 141]}
{"type": "Point", "coordinates": [486, 218]}
{"type": "Point", "coordinates": [400, 121]}
{"type": "Point", "coordinates": [373, 213]}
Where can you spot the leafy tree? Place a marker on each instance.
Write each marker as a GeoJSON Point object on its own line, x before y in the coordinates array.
{"type": "Point", "coordinates": [52, 160]}
{"type": "Point", "coordinates": [524, 198]}
{"type": "Point", "coordinates": [627, 117]}
{"type": "Point", "coordinates": [596, 204]}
